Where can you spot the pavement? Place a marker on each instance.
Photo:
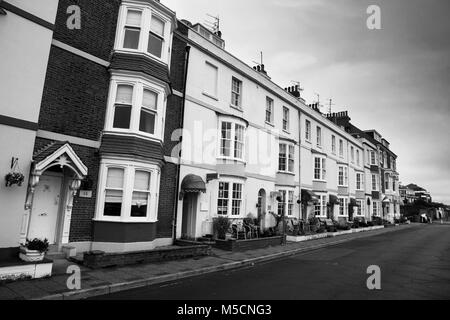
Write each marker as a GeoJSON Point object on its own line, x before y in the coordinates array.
{"type": "Point", "coordinates": [101, 282]}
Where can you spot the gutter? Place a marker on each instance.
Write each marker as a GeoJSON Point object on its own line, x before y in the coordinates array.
{"type": "Point", "coordinates": [181, 124]}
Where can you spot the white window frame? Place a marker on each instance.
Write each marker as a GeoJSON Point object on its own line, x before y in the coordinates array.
{"type": "Point", "coordinates": [352, 154]}
{"type": "Point", "coordinates": [230, 205]}
{"type": "Point", "coordinates": [373, 158]}
{"type": "Point", "coordinates": [344, 206]}
{"type": "Point", "coordinates": [374, 182]}
{"type": "Point", "coordinates": [307, 130]}
{"type": "Point", "coordinates": [333, 144]}
{"type": "Point", "coordinates": [360, 177]}
{"type": "Point", "coordinates": [286, 204]}
{"type": "Point", "coordinates": [344, 176]}
{"type": "Point", "coordinates": [375, 211]}
{"type": "Point", "coordinates": [358, 158]}
{"type": "Point", "coordinates": [213, 95]}
{"type": "Point", "coordinates": [234, 122]}
{"type": "Point", "coordinates": [148, 11]}
{"type": "Point", "coordinates": [129, 167]}
{"type": "Point", "coordinates": [319, 137]}
{"type": "Point", "coordinates": [138, 84]}
{"type": "Point", "coordinates": [322, 205]}
{"type": "Point", "coordinates": [289, 159]}
{"type": "Point", "coordinates": [270, 108]}
{"type": "Point", "coordinates": [360, 206]}
{"type": "Point", "coordinates": [341, 148]}
{"type": "Point", "coordinates": [286, 116]}
{"type": "Point", "coordinates": [238, 94]}
{"type": "Point", "coordinates": [322, 169]}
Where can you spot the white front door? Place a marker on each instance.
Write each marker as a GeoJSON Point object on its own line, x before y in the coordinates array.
{"type": "Point", "coordinates": [44, 214]}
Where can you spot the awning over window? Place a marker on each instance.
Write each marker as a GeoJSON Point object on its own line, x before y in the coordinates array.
{"type": "Point", "coordinates": [333, 199]}
{"type": "Point", "coordinates": [386, 200]}
{"type": "Point", "coordinates": [193, 183]}
{"type": "Point", "coordinates": [309, 196]}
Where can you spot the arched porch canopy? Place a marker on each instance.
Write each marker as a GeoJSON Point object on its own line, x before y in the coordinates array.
{"type": "Point", "coordinates": [59, 153]}
{"type": "Point", "coordinates": [193, 183]}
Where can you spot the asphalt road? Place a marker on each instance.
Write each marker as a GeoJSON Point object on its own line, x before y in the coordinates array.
{"type": "Point", "coordinates": [414, 264]}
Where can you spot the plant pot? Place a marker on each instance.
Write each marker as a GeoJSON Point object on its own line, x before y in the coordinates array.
{"type": "Point", "coordinates": [31, 255]}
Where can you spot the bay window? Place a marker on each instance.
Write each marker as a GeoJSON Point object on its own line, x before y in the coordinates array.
{"type": "Point", "coordinates": [229, 200]}
{"type": "Point", "coordinates": [286, 158]}
{"type": "Point", "coordinates": [136, 107]}
{"type": "Point", "coordinates": [156, 37]}
{"type": "Point", "coordinates": [232, 139]}
{"type": "Point", "coordinates": [132, 29]}
{"type": "Point", "coordinates": [128, 191]}
{"type": "Point", "coordinates": [144, 29]}
{"type": "Point", "coordinates": [319, 168]}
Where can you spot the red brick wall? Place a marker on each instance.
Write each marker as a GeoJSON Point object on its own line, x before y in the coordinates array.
{"type": "Point", "coordinates": [75, 96]}
{"type": "Point", "coordinates": [98, 26]}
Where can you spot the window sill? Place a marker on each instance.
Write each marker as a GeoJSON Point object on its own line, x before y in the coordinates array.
{"type": "Point", "coordinates": [286, 131]}
{"type": "Point", "coordinates": [286, 172]}
{"type": "Point", "coordinates": [231, 159]}
{"type": "Point", "coordinates": [319, 180]}
{"type": "Point", "coordinates": [308, 141]}
{"type": "Point", "coordinates": [270, 124]}
{"type": "Point", "coordinates": [210, 96]}
{"type": "Point", "coordinates": [240, 109]}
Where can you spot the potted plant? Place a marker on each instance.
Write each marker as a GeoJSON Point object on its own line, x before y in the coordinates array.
{"type": "Point", "coordinates": [221, 227]}
{"type": "Point", "coordinates": [13, 178]}
{"type": "Point", "coordinates": [34, 250]}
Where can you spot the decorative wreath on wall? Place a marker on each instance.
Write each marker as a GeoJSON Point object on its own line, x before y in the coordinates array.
{"type": "Point", "coordinates": [15, 176]}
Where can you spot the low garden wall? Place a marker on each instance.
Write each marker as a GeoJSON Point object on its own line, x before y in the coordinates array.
{"type": "Point", "coordinates": [100, 259]}
{"type": "Point", "coordinates": [330, 234]}
{"type": "Point", "coordinates": [243, 245]}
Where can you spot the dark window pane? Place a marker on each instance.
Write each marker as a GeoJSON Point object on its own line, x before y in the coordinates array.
{"type": "Point", "coordinates": [154, 45]}
{"type": "Point", "coordinates": [122, 115]}
{"type": "Point", "coordinates": [112, 209]}
{"type": "Point", "coordinates": [147, 122]}
{"type": "Point", "coordinates": [131, 39]}
{"type": "Point", "coordinates": [139, 211]}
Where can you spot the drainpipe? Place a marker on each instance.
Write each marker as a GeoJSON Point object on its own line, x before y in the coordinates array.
{"type": "Point", "coordinates": [181, 124]}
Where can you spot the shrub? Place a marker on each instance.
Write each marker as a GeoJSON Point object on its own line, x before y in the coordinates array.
{"type": "Point", "coordinates": [37, 244]}
{"type": "Point", "coordinates": [221, 226]}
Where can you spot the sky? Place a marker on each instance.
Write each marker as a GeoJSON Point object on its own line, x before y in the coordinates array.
{"type": "Point", "coordinates": [395, 80]}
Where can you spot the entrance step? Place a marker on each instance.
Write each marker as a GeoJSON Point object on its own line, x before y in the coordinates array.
{"type": "Point", "coordinates": [55, 255]}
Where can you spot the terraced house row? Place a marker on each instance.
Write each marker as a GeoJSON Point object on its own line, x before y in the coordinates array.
{"type": "Point", "coordinates": [138, 129]}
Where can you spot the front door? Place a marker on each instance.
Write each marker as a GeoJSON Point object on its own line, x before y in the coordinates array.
{"type": "Point", "coordinates": [44, 214]}
{"type": "Point", "coordinates": [189, 215]}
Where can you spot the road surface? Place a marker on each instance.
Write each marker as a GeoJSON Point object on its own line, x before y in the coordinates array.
{"type": "Point", "coordinates": [414, 264]}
